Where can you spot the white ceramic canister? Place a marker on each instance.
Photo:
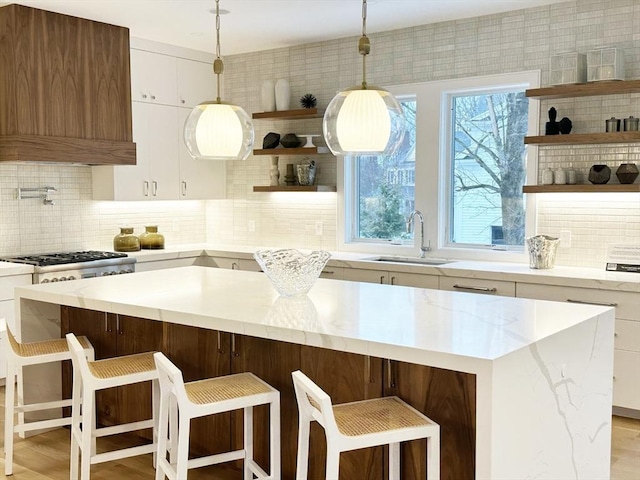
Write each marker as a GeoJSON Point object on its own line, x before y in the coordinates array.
{"type": "Point", "coordinates": [572, 177]}
{"type": "Point", "coordinates": [560, 177]}
{"type": "Point", "coordinates": [268, 95]}
{"type": "Point", "coordinates": [547, 177]}
{"type": "Point", "coordinates": [283, 94]}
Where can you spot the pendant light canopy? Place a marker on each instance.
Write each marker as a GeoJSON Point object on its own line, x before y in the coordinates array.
{"type": "Point", "coordinates": [217, 130]}
{"type": "Point", "coordinates": [363, 119]}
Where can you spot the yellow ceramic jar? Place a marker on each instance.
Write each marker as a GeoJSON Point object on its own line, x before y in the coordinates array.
{"type": "Point", "coordinates": [126, 241]}
{"type": "Point", "coordinates": [151, 239]}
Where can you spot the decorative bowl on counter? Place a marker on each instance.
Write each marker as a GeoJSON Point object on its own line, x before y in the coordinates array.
{"type": "Point", "coordinates": [292, 272]}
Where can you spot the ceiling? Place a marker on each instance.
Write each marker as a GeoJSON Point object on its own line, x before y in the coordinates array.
{"type": "Point", "coordinates": [254, 25]}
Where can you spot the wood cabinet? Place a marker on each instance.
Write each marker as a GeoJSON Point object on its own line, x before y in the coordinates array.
{"type": "Point", "coordinates": [161, 85]}
{"type": "Point", "coordinates": [626, 354]}
{"type": "Point", "coordinates": [64, 89]}
{"type": "Point", "coordinates": [449, 399]}
{"type": "Point", "coordinates": [478, 285]}
{"type": "Point", "coordinates": [391, 278]}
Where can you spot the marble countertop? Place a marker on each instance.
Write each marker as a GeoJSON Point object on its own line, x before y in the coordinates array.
{"type": "Point", "coordinates": [8, 269]}
{"type": "Point", "coordinates": [440, 328]}
{"type": "Point", "coordinates": [515, 272]}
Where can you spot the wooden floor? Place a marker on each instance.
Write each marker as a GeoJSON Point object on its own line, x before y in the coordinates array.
{"type": "Point", "coordinates": [46, 457]}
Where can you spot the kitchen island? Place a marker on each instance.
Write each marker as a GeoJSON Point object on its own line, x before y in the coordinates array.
{"type": "Point", "coordinates": [530, 380]}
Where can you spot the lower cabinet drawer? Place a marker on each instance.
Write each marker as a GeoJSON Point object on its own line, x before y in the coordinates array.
{"type": "Point", "coordinates": [475, 285]}
{"type": "Point", "coordinates": [333, 273]}
{"type": "Point", "coordinates": [627, 336]}
{"type": "Point", "coordinates": [626, 383]}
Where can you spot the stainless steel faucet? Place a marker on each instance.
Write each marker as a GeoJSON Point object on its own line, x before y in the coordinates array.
{"type": "Point", "coordinates": [410, 222]}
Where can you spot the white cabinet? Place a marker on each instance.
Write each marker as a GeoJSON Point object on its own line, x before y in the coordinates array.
{"type": "Point", "coordinates": [391, 278]}
{"type": "Point", "coordinates": [153, 78]}
{"type": "Point", "coordinates": [199, 179]}
{"type": "Point", "coordinates": [164, 264]}
{"type": "Point", "coordinates": [475, 285]}
{"type": "Point", "coordinates": [160, 85]}
{"type": "Point", "coordinates": [234, 263]}
{"type": "Point", "coordinates": [626, 356]}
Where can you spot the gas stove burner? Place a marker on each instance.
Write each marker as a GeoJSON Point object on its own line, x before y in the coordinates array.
{"type": "Point", "coordinates": [63, 258]}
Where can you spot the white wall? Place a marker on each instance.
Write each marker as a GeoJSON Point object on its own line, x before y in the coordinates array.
{"type": "Point", "coordinates": [515, 41]}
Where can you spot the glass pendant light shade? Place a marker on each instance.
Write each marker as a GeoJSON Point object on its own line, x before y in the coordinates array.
{"type": "Point", "coordinates": [218, 131]}
{"type": "Point", "coordinates": [363, 121]}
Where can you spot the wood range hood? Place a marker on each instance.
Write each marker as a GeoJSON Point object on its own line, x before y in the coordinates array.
{"type": "Point", "coordinates": [65, 89]}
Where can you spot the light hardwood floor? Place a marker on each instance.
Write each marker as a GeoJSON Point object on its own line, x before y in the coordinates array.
{"type": "Point", "coordinates": [46, 457]}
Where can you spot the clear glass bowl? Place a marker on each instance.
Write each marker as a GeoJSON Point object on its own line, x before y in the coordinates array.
{"type": "Point", "coordinates": [292, 272]}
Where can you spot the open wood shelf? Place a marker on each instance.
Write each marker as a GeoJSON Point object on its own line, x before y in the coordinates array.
{"type": "Point", "coordinates": [291, 151]}
{"type": "Point", "coordinates": [584, 138]}
{"type": "Point", "coordinates": [586, 188]}
{"type": "Point", "coordinates": [610, 87]}
{"type": "Point", "coordinates": [296, 188]}
{"type": "Point", "coordinates": [289, 114]}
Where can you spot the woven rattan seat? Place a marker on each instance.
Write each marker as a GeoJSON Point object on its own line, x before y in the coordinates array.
{"type": "Point", "coordinates": [45, 347]}
{"type": "Point", "coordinates": [375, 416]}
{"type": "Point", "coordinates": [367, 423]}
{"type": "Point", "coordinates": [117, 367]}
{"type": "Point", "coordinates": [224, 388]}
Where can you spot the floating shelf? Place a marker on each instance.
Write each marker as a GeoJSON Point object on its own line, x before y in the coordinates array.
{"type": "Point", "coordinates": [584, 138]}
{"type": "Point", "coordinates": [296, 188]}
{"type": "Point", "coordinates": [611, 87]}
{"type": "Point", "coordinates": [289, 114]}
{"type": "Point", "coordinates": [291, 151]}
{"type": "Point", "coordinates": [587, 188]}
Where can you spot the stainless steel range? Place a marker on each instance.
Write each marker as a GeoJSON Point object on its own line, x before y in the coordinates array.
{"type": "Point", "coordinates": [60, 267]}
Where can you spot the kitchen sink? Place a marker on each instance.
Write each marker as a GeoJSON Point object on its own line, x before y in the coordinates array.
{"type": "Point", "coordinates": [418, 260]}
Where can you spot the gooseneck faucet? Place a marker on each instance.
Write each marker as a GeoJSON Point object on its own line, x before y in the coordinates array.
{"type": "Point", "coordinates": [410, 222]}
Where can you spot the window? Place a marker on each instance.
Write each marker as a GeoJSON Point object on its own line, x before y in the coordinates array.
{"type": "Point", "coordinates": [487, 167]}
{"type": "Point", "coordinates": [385, 189]}
{"type": "Point", "coordinates": [462, 164]}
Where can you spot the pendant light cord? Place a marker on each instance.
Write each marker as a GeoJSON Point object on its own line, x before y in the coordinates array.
{"type": "Point", "coordinates": [364, 45]}
{"type": "Point", "coordinates": [218, 66]}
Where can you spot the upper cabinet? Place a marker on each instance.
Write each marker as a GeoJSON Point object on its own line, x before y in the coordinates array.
{"type": "Point", "coordinates": [161, 85]}
{"type": "Point", "coordinates": [64, 89]}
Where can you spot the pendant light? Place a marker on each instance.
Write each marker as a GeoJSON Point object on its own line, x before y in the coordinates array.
{"type": "Point", "coordinates": [363, 119]}
{"type": "Point", "coordinates": [218, 130]}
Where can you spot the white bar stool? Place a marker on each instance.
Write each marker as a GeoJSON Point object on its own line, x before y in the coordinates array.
{"type": "Point", "coordinates": [368, 423]}
{"type": "Point", "coordinates": [18, 356]}
{"type": "Point", "coordinates": [88, 377]}
{"type": "Point", "coordinates": [208, 397]}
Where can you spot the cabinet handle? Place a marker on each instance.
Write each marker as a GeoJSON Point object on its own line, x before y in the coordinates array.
{"type": "Point", "coordinates": [144, 95]}
{"type": "Point", "coordinates": [328, 272]}
{"type": "Point", "coordinates": [220, 350]}
{"type": "Point", "coordinates": [184, 188]}
{"type": "Point", "coordinates": [153, 97]}
{"type": "Point", "coordinates": [120, 331]}
{"type": "Point", "coordinates": [615, 334]}
{"type": "Point", "coordinates": [234, 266]}
{"type": "Point", "coordinates": [390, 381]}
{"type": "Point", "coordinates": [477, 289]}
{"type": "Point", "coordinates": [393, 280]}
{"type": "Point", "coordinates": [154, 191]}
{"type": "Point", "coordinates": [182, 101]}
{"type": "Point", "coordinates": [381, 279]}
{"type": "Point", "coordinates": [368, 369]}
{"type": "Point", "coordinates": [145, 188]}
{"type": "Point", "coordinates": [601, 304]}
{"type": "Point", "coordinates": [233, 345]}
{"type": "Point", "coordinates": [106, 322]}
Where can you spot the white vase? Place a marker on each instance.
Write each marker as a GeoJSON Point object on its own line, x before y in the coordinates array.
{"type": "Point", "coordinates": [274, 173]}
{"type": "Point", "coordinates": [268, 96]}
{"type": "Point", "coordinates": [283, 94]}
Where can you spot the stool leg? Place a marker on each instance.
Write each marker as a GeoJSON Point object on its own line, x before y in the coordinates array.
{"type": "Point", "coordinates": [155, 410]}
{"type": "Point", "coordinates": [248, 442]}
{"type": "Point", "coordinates": [173, 428]}
{"type": "Point", "coordinates": [333, 462]}
{"type": "Point", "coordinates": [88, 425]}
{"type": "Point", "coordinates": [183, 446]}
{"type": "Point", "coordinates": [9, 417]}
{"type": "Point", "coordinates": [20, 391]}
{"type": "Point", "coordinates": [303, 448]}
{"type": "Point", "coordinates": [433, 457]}
{"type": "Point", "coordinates": [75, 425]}
{"type": "Point", "coordinates": [394, 461]}
{"type": "Point", "coordinates": [274, 438]}
{"type": "Point", "coordinates": [163, 420]}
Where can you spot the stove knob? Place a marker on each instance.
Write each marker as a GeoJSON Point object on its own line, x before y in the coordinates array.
{"type": "Point", "coordinates": [71, 277]}
{"type": "Point", "coordinates": [63, 279]}
{"type": "Point", "coordinates": [105, 274]}
{"type": "Point", "coordinates": [54, 279]}
{"type": "Point", "coordinates": [46, 280]}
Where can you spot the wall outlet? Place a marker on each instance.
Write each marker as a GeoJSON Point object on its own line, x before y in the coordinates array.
{"type": "Point", "coordinates": [565, 238]}
{"type": "Point", "coordinates": [319, 228]}
{"type": "Point", "coordinates": [252, 225]}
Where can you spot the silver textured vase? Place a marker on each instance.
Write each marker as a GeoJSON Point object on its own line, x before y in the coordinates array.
{"type": "Point", "coordinates": [542, 251]}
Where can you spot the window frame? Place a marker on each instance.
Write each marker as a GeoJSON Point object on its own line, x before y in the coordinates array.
{"type": "Point", "coordinates": [431, 191]}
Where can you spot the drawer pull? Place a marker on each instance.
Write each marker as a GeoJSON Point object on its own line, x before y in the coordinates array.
{"type": "Point", "coordinates": [477, 289]}
{"type": "Point", "coordinates": [220, 350]}
{"type": "Point", "coordinates": [390, 381]}
{"type": "Point", "coordinates": [601, 304]}
{"type": "Point", "coordinates": [328, 272]}
{"type": "Point", "coordinates": [393, 280]}
{"type": "Point", "coordinates": [381, 279]}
